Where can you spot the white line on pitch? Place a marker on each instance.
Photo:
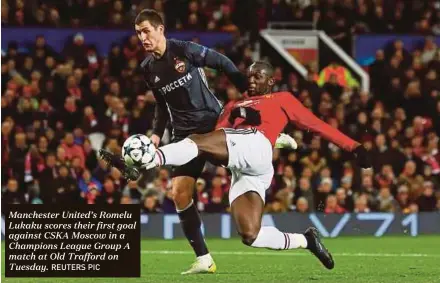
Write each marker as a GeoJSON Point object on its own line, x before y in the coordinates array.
{"type": "Point", "coordinates": [284, 253]}
{"type": "Point", "coordinates": [295, 254]}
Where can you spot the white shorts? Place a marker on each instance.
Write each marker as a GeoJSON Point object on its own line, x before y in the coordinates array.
{"type": "Point", "coordinates": [250, 161]}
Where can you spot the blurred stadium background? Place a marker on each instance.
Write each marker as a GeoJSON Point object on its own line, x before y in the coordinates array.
{"type": "Point", "coordinates": [71, 84]}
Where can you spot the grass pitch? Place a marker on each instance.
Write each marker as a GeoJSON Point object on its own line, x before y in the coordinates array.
{"type": "Point", "coordinates": [358, 259]}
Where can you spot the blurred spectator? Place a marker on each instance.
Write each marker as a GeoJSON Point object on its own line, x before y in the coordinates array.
{"type": "Point", "coordinates": [90, 154]}
{"type": "Point", "coordinates": [410, 178]}
{"type": "Point", "coordinates": [305, 191]}
{"type": "Point", "coordinates": [77, 50]}
{"type": "Point", "coordinates": [151, 205]}
{"type": "Point", "coordinates": [73, 150]}
{"type": "Point", "coordinates": [202, 195]}
{"type": "Point", "coordinates": [429, 50]}
{"type": "Point", "coordinates": [11, 194]}
{"type": "Point", "coordinates": [109, 193]}
{"type": "Point", "coordinates": [386, 200]}
{"type": "Point", "coordinates": [324, 190]}
{"type": "Point", "coordinates": [285, 197]}
{"type": "Point", "coordinates": [369, 192]}
{"type": "Point", "coordinates": [17, 156]}
{"type": "Point", "coordinates": [333, 88]}
{"type": "Point", "coordinates": [47, 176]}
{"type": "Point", "coordinates": [276, 207]}
{"type": "Point", "coordinates": [86, 182]}
{"type": "Point", "coordinates": [332, 206]}
{"type": "Point", "coordinates": [217, 196]}
{"type": "Point", "coordinates": [413, 208]}
{"type": "Point", "coordinates": [344, 201]}
{"type": "Point", "coordinates": [427, 201]}
{"type": "Point", "coordinates": [132, 48]}
{"type": "Point", "coordinates": [302, 205]}
{"type": "Point", "coordinates": [361, 205]}
{"type": "Point", "coordinates": [403, 198]}
{"type": "Point", "coordinates": [133, 191]}
{"type": "Point", "coordinates": [314, 161]}
{"type": "Point", "coordinates": [126, 200]}
{"type": "Point", "coordinates": [288, 178]}
{"type": "Point", "coordinates": [337, 75]}
{"type": "Point", "coordinates": [65, 188]}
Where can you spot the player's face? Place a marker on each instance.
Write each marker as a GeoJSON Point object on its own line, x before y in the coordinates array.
{"type": "Point", "coordinates": [259, 81]}
{"type": "Point", "coordinates": [149, 35]}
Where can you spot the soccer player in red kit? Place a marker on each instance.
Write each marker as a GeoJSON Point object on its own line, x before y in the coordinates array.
{"type": "Point", "coordinates": [243, 142]}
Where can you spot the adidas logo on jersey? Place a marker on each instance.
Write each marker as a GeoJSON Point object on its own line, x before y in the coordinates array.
{"type": "Point", "coordinates": [156, 79]}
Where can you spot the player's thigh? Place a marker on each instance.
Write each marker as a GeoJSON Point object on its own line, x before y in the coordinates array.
{"type": "Point", "coordinates": [212, 146]}
{"type": "Point", "coordinates": [247, 211]}
{"type": "Point", "coordinates": [242, 183]}
{"type": "Point", "coordinates": [249, 151]}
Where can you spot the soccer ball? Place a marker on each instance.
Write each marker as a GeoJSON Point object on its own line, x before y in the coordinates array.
{"type": "Point", "coordinates": [138, 150]}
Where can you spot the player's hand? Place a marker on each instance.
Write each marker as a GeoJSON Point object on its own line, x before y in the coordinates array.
{"type": "Point", "coordinates": [363, 157]}
{"type": "Point", "coordinates": [285, 141]}
{"type": "Point", "coordinates": [251, 116]}
{"type": "Point", "coordinates": [155, 139]}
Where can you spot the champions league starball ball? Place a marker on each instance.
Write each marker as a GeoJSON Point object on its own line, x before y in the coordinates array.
{"type": "Point", "coordinates": [138, 151]}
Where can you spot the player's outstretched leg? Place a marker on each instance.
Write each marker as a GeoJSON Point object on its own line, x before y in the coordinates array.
{"type": "Point", "coordinates": [247, 211]}
{"type": "Point", "coordinates": [212, 145]}
{"type": "Point", "coordinates": [177, 154]}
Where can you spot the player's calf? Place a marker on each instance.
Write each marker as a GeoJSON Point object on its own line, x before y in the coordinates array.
{"type": "Point", "coordinates": [272, 238]}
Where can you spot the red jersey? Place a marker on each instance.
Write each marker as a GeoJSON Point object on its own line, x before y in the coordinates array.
{"type": "Point", "coordinates": [277, 110]}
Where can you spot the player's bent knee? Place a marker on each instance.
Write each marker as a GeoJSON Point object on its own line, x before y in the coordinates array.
{"type": "Point", "coordinates": [181, 195]}
{"type": "Point", "coordinates": [248, 237]}
{"type": "Point", "coordinates": [181, 198]}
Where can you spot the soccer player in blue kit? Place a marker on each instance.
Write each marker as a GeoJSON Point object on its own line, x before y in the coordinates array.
{"type": "Point", "coordinates": [173, 70]}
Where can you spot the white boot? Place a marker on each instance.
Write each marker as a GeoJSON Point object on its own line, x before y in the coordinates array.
{"type": "Point", "coordinates": [203, 264]}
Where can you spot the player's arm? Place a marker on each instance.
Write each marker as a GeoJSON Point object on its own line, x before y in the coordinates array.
{"type": "Point", "coordinates": [248, 115]}
{"type": "Point", "coordinates": [203, 56]}
{"type": "Point", "coordinates": [223, 120]}
{"type": "Point", "coordinates": [304, 118]}
{"type": "Point", "coordinates": [161, 118]}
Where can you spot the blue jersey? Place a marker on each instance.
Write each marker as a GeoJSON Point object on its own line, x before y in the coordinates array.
{"type": "Point", "coordinates": [181, 90]}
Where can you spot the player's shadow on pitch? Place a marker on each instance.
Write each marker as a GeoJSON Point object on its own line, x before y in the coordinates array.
{"type": "Point", "coordinates": [250, 272]}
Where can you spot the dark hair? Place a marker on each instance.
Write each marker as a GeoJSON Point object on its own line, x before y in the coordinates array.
{"type": "Point", "coordinates": [51, 153]}
{"type": "Point", "coordinates": [265, 65]}
{"type": "Point", "coordinates": [149, 15]}
{"type": "Point", "coordinates": [68, 133]}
